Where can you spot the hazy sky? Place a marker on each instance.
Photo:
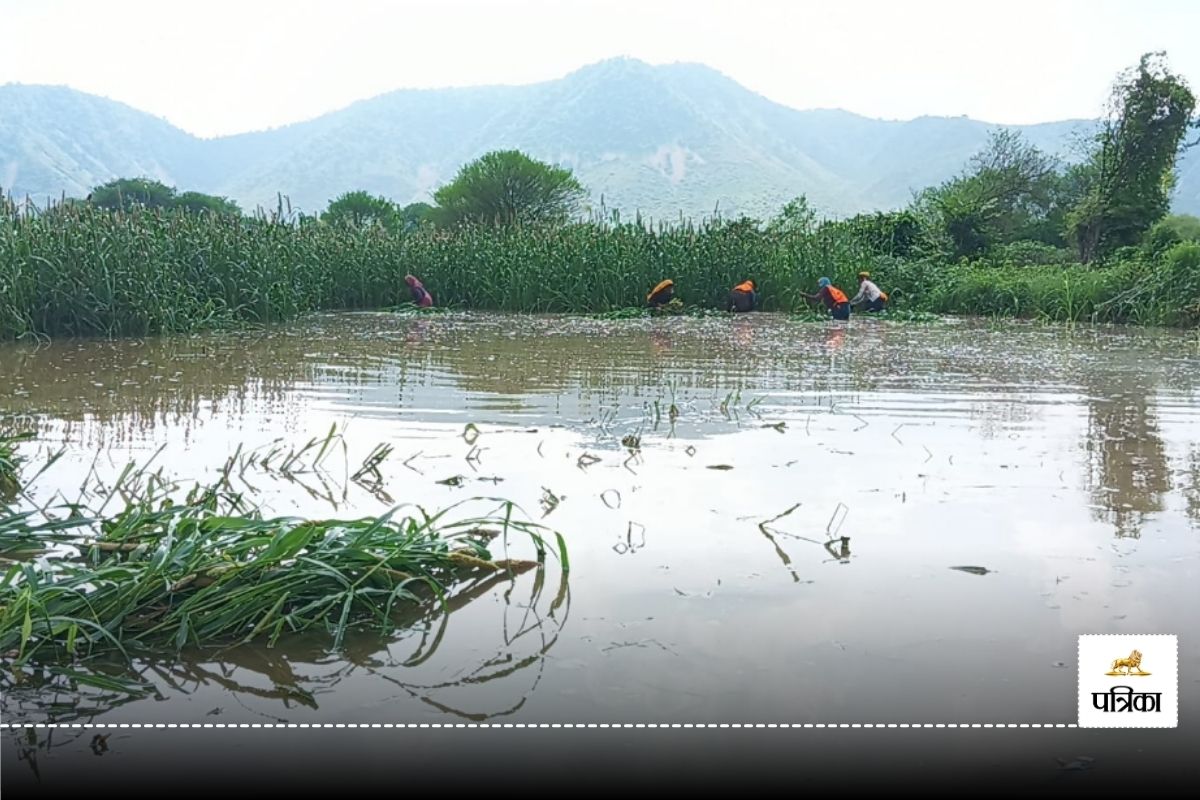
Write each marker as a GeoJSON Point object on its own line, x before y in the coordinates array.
{"type": "Point", "coordinates": [224, 66]}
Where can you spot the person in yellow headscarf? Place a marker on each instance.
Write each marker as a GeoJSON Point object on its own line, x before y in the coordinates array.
{"type": "Point", "coordinates": [743, 297]}
{"type": "Point", "coordinates": [661, 294]}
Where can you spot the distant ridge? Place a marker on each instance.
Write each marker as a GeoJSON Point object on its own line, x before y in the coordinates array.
{"type": "Point", "coordinates": [665, 140]}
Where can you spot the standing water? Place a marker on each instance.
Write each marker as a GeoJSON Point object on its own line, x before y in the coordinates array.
{"type": "Point", "coordinates": [767, 520]}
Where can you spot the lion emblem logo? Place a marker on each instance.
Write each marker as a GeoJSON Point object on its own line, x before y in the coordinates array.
{"type": "Point", "coordinates": [1128, 666]}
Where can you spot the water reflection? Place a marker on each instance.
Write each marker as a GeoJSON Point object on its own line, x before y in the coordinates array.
{"type": "Point", "coordinates": [545, 370]}
{"type": "Point", "coordinates": [304, 674]}
{"type": "Point", "coordinates": [1190, 481]}
{"type": "Point", "coordinates": [1128, 471]}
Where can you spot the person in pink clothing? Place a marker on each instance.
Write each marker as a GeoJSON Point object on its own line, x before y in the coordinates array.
{"type": "Point", "coordinates": [420, 295]}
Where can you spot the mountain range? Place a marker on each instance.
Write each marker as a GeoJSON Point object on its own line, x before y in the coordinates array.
{"type": "Point", "coordinates": [663, 140]}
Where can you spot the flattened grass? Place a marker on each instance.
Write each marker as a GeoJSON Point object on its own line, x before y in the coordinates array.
{"type": "Point", "coordinates": [162, 574]}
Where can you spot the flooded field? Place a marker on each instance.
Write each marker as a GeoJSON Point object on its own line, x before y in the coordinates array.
{"type": "Point", "coordinates": [767, 521]}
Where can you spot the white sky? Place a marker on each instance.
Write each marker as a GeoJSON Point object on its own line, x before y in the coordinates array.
{"type": "Point", "coordinates": [224, 66]}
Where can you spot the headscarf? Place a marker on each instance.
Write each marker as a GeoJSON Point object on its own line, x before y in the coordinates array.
{"type": "Point", "coordinates": [662, 285]}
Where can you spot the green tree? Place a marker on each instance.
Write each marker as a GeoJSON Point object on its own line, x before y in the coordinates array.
{"type": "Point", "coordinates": [362, 210]}
{"type": "Point", "coordinates": [414, 215]}
{"type": "Point", "coordinates": [200, 203]}
{"type": "Point", "coordinates": [1007, 190]}
{"type": "Point", "coordinates": [1132, 163]}
{"type": "Point", "coordinates": [1170, 231]}
{"type": "Point", "coordinates": [126, 192]}
{"type": "Point", "coordinates": [796, 216]}
{"type": "Point", "coordinates": [507, 186]}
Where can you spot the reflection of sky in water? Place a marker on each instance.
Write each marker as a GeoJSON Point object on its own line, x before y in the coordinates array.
{"type": "Point", "coordinates": [1065, 461]}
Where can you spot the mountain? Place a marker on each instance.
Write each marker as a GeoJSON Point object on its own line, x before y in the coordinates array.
{"type": "Point", "coordinates": [665, 140]}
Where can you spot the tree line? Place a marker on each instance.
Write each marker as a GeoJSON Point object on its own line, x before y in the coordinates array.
{"type": "Point", "coordinates": [1109, 199]}
{"type": "Point", "coordinates": [502, 187]}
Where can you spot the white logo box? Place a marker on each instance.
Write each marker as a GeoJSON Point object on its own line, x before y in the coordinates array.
{"type": "Point", "coordinates": [1133, 700]}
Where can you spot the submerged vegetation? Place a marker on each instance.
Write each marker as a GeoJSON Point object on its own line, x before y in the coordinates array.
{"type": "Point", "coordinates": [171, 570]}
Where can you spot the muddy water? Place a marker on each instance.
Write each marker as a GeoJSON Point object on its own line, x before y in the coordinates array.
{"type": "Point", "coordinates": [1064, 462]}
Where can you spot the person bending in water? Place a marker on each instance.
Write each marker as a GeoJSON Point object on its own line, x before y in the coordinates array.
{"type": "Point", "coordinates": [420, 296]}
{"type": "Point", "coordinates": [661, 294]}
{"type": "Point", "coordinates": [834, 299]}
{"type": "Point", "coordinates": [743, 297]}
{"type": "Point", "coordinates": [869, 294]}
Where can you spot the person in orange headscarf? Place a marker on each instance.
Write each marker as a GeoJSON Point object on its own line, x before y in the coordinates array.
{"type": "Point", "coordinates": [661, 294]}
{"type": "Point", "coordinates": [743, 297]}
{"type": "Point", "coordinates": [834, 299]}
{"type": "Point", "coordinates": [420, 295]}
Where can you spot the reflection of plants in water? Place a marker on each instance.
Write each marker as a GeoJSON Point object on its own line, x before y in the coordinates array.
{"type": "Point", "coordinates": [31, 742]}
{"type": "Point", "coordinates": [549, 501]}
{"type": "Point", "coordinates": [629, 545]}
{"type": "Point", "coordinates": [424, 628]}
{"type": "Point", "coordinates": [514, 669]}
{"type": "Point", "coordinates": [1127, 460]}
{"type": "Point", "coordinates": [1192, 489]}
{"type": "Point", "coordinates": [53, 693]}
{"type": "Point", "coordinates": [523, 652]}
{"type": "Point", "coordinates": [836, 545]}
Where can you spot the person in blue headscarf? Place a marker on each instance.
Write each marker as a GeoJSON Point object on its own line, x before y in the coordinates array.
{"type": "Point", "coordinates": [834, 299]}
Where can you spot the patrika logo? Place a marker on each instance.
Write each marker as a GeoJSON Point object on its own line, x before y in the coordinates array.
{"type": "Point", "coordinates": [1134, 662]}
{"type": "Point", "coordinates": [1145, 698]}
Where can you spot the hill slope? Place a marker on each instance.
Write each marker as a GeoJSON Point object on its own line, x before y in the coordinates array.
{"type": "Point", "coordinates": [660, 139]}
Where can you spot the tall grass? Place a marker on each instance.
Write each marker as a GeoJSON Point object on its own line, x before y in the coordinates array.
{"type": "Point", "coordinates": [79, 270]}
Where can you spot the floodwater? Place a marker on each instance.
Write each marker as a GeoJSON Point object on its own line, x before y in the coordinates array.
{"type": "Point", "coordinates": [1064, 462]}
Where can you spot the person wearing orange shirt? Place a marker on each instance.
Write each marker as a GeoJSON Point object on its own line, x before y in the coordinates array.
{"type": "Point", "coordinates": [834, 299]}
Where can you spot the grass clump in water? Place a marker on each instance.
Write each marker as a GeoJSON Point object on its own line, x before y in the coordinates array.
{"type": "Point", "coordinates": [164, 574]}
{"type": "Point", "coordinates": [671, 309]}
{"type": "Point", "coordinates": [622, 313]}
{"type": "Point", "coordinates": [10, 465]}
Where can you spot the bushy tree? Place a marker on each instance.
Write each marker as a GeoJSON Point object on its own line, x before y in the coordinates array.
{"type": "Point", "coordinates": [1132, 164]}
{"type": "Point", "coordinates": [796, 216]}
{"type": "Point", "coordinates": [414, 215]}
{"type": "Point", "coordinates": [124, 193]}
{"type": "Point", "coordinates": [1170, 231]}
{"type": "Point", "coordinates": [200, 203]}
{"type": "Point", "coordinates": [1008, 190]}
{"type": "Point", "coordinates": [506, 187]}
{"type": "Point", "coordinates": [361, 210]}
